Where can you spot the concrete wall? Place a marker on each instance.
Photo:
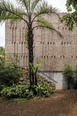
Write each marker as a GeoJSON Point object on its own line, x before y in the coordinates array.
{"type": "Point", "coordinates": [57, 78]}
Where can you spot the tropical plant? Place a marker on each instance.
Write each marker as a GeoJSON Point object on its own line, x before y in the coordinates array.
{"type": "Point", "coordinates": [43, 89]}
{"type": "Point", "coordinates": [22, 91]}
{"type": "Point", "coordinates": [29, 11]}
{"type": "Point", "coordinates": [70, 19]}
{"type": "Point", "coordinates": [16, 91]}
{"type": "Point", "coordinates": [34, 69]}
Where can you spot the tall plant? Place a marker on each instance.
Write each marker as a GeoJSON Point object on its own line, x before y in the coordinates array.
{"type": "Point", "coordinates": [34, 69]}
{"type": "Point", "coordinates": [29, 11]}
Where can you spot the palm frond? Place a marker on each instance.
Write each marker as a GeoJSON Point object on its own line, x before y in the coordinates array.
{"type": "Point", "coordinates": [34, 4]}
{"type": "Point", "coordinates": [45, 24]}
{"type": "Point", "coordinates": [24, 3]}
{"type": "Point", "coordinates": [26, 36]}
{"type": "Point", "coordinates": [8, 11]}
{"type": "Point", "coordinates": [44, 8]}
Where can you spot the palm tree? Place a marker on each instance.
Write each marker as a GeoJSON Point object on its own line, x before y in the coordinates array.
{"type": "Point", "coordinates": [29, 11]}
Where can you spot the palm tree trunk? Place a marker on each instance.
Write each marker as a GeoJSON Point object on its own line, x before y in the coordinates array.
{"type": "Point", "coordinates": [36, 79]}
{"type": "Point", "coordinates": [31, 58]}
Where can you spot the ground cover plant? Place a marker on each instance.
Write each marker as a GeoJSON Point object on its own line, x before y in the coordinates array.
{"type": "Point", "coordinates": [22, 91]}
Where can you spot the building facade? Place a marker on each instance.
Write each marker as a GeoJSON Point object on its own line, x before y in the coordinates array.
{"type": "Point", "coordinates": [48, 45]}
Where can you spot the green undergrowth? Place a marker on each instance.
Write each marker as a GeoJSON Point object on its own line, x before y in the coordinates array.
{"type": "Point", "coordinates": [22, 91]}
{"type": "Point", "coordinates": [3, 99]}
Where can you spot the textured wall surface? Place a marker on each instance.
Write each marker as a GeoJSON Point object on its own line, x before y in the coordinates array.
{"type": "Point", "coordinates": [48, 45]}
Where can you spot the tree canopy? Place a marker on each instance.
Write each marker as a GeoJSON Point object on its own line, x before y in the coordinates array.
{"type": "Point", "coordinates": [71, 4]}
{"type": "Point", "coordinates": [70, 19]}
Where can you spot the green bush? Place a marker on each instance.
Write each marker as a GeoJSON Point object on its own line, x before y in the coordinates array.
{"type": "Point", "coordinates": [43, 90]}
{"type": "Point", "coordinates": [68, 70]}
{"type": "Point", "coordinates": [22, 91]}
{"type": "Point", "coordinates": [75, 77]}
{"type": "Point", "coordinates": [71, 75]}
{"type": "Point", "coordinates": [17, 91]}
{"type": "Point", "coordinates": [9, 74]}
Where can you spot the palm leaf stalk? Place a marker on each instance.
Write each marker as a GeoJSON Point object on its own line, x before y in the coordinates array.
{"type": "Point", "coordinates": [33, 10]}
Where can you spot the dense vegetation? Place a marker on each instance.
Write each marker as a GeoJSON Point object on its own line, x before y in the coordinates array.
{"type": "Point", "coordinates": [71, 75]}
{"type": "Point", "coordinates": [22, 91]}
{"type": "Point", "coordinates": [12, 87]}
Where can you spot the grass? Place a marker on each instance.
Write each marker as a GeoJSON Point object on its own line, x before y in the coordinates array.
{"type": "Point", "coordinates": [3, 99]}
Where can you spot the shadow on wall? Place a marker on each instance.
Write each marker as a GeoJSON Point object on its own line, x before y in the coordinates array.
{"type": "Point", "coordinates": [56, 77]}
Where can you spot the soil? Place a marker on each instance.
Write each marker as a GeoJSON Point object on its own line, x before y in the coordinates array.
{"type": "Point", "coordinates": [62, 103]}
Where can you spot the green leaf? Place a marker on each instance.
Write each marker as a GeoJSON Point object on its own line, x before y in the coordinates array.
{"type": "Point", "coordinates": [44, 8]}
{"type": "Point", "coordinates": [26, 36]}
{"type": "Point", "coordinates": [35, 68]}
{"type": "Point", "coordinates": [8, 11]}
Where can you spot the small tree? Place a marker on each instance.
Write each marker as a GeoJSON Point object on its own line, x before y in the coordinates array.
{"type": "Point", "coordinates": [68, 73]}
{"type": "Point", "coordinates": [29, 11]}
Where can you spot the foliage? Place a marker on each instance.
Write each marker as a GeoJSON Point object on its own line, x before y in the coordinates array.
{"type": "Point", "coordinates": [35, 68]}
{"type": "Point", "coordinates": [43, 90]}
{"type": "Point", "coordinates": [26, 36]}
{"type": "Point", "coordinates": [12, 60]}
{"type": "Point", "coordinates": [75, 72]}
{"type": "Point", "coordinates": [70, 19]}
{"type": "Point", "coordinates": [71, 73]}
{"type": "Point", "coordinates": [22, 91]}
{"type": "Point", "coordinates": [2, 51]}
{"type": "Point", "coordinates": [68, 70]}
{"type": "Point", "coordinates": [9, 74]}
{"type": "Point", "coordinates": [71, 4]}
{"type": "Point", "coordinates": [29, 11]}
{"type": "Point", "coordinates": [17, 91]}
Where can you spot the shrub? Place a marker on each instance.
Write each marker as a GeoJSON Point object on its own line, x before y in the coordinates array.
{"type": "Point", "coordinates": [71, 74]}
{"type": "Point", "coordinates": [9, 74]}
{"type": "Point", "coordinates": [75, 77]}
{"type": "Point", "coordinates": [22, 91]}
{"type": "Point", "coordinates": [43, 90]}
{"type": "Point", "coordinates": [17, 91]}
{"type": "Point", "coordinates": [68, 70]}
